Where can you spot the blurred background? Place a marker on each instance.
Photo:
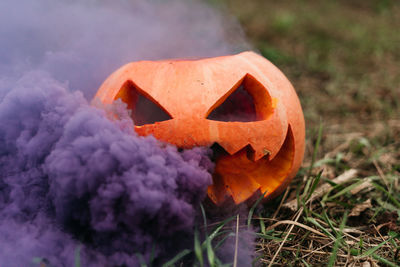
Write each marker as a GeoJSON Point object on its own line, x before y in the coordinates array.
{"type": "Point", "coordinates": [343, 58]}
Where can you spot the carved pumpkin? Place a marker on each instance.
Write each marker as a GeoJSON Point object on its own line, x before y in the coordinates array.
{"type": "Point", "coordinates": [241, 105]}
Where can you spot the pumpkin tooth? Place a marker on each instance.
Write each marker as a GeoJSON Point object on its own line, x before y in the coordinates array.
{"type": "Point", "coordinates": [232, 176]}
{"type": "Point", "coordinates": [243, 188]}
{"type": "Point", "coordinates": [224, 188]}
{"type": "Point", "coordinates": [218, 192]}
{"type": "Point", "coordinates": [271, 173]}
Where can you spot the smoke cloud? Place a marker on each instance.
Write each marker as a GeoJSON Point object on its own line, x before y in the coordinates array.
{"type": "Point", "coordinates": [66, 166]}
{"type": "Point", "coordinates": [82, 42]}
{"type": "Point", "coordinates": [72, 181]}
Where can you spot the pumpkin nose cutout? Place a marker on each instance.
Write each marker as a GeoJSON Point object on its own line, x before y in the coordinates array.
{"type": "Point", "coordinates": [239, 177]}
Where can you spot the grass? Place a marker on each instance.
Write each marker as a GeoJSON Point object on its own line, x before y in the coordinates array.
{"type": "Point", "coordinates": [335, 228]}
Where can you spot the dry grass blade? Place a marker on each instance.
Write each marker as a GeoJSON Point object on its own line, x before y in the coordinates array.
{"type": "Point", "coordinates": [365, 185]}
{"type": "Point", "coordinates": [296, 224]}
{"type": "Point", "coordinates": [281, 203]}
{"type": "Point", "coordinates": [356, 211]}
{"type": "Point", "coordinates": [286, 236]}
{"type": "Point", "coordinates": [323, 189]}
{"type": "Point", "coordinates": [315, 252]}
{"type": "Point", "coordinates": [380, 172]}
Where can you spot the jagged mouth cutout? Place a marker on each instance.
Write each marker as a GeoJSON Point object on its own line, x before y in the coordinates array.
{"type": "Point", "coordinates": [237, 177]}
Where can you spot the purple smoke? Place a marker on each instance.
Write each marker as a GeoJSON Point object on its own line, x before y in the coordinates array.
{"type": "Point", "coordinates": [92, 178]}
{"type": "Point", "coordinates": [72, 179]}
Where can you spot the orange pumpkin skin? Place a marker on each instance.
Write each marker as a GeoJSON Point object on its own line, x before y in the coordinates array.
{"type": "Point", "coordinates": [257, 156]}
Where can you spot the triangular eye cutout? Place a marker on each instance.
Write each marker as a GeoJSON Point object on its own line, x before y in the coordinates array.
{"type": "Point", "coordinates": [239, 106]}
{"type": "Point", "coordinates": [247, 101]}
{"type": "Point", "coordinates": [144, 109]}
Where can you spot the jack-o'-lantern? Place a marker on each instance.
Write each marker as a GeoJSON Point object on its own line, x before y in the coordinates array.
{"type": "Point", "coordinates": [241, 105]}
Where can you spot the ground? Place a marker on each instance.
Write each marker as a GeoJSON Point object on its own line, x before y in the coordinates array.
{"type": "Point", "coordinates": [343, 58]}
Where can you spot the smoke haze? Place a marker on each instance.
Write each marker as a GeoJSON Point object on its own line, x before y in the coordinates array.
{"type": "Point", "coordinates": [70, 178]}
{"type": "Point", "coordinates": [82, 42]}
